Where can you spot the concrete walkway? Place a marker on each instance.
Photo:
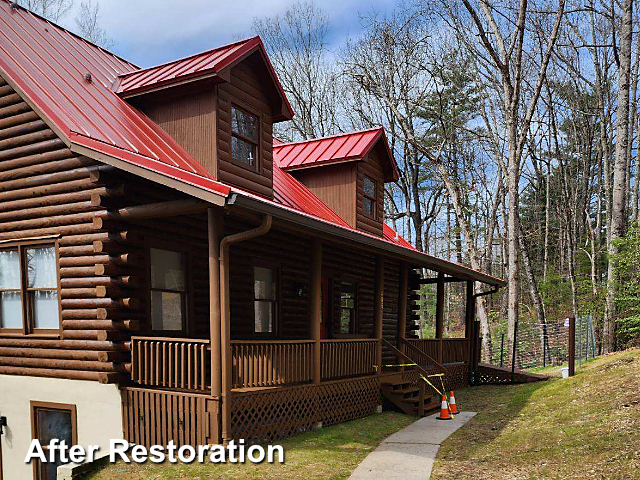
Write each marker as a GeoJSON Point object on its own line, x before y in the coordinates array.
{"type": "Point", "coordinates": [409, 453]}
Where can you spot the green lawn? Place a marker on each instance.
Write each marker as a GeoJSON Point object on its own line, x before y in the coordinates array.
{"type": "Point", "coordinates": [585, 427]}
{"type": "Point", "coordinates": [329, 453]}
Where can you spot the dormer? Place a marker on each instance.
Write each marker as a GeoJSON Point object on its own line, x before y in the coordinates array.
{"type": "Point", "coordinates": [347, 171]}
{"type": "Point", "coordinates": [220, 105]}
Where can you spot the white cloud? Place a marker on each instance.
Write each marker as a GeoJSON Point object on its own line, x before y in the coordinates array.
{"type": "Point", "coordinates": [148, 32]}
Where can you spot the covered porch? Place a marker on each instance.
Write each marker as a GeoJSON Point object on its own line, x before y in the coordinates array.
{"type": "Point", "coordinates": [314, 347]}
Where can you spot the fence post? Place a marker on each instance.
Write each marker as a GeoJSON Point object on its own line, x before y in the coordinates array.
{"type": "Point", "coordinates": [502, 350]}
{"type": "Point", "coordinates": [586, 340]}
{"type": "Point", "coordinates": [580, 341]}
{"type": "Point", "coordinates": [513, 355]}
{"type": "Point", "coordinates": [572, 346]}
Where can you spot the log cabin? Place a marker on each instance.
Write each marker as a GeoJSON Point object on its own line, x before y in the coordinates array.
{"type": "Point", "coordinates": [171, 271]}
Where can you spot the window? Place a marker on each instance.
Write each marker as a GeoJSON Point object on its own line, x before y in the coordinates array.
{"type": "Point", "coordinates": [244, 137]}
{"type": "Point", "coordinates": [49, 421]}
{"type": "Point", "coordinates": [369, 201]}
{"type": "Point", "coordinates": [265, 299]}
{"type": "Point", "coordinates": [348, 307]}
{"type": "Point", "coordinates": [29, 289]}
{"type": "Point", "coordinates": [168, 289]}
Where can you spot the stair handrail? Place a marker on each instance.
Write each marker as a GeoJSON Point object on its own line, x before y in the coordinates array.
{"type": "Point", "coordinates": [405, 357]}
{"type": "Point", "coordinates": [417, 351]}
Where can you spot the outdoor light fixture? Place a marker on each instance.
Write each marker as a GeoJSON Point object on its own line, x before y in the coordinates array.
{"type": "Point", "coordinates": [299, 289]}
{"type": "Point", "coordinates": [3, 423]}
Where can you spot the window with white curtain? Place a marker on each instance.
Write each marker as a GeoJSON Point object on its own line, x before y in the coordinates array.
{"type": "Point", "coordinates": [29, 296]}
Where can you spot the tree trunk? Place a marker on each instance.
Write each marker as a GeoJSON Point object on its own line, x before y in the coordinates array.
{"type": "Point", "coordinates": [618, 208]}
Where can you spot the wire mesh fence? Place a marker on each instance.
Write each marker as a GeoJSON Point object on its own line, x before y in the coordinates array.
{"type": "Point", "coordinates": [541, 345]}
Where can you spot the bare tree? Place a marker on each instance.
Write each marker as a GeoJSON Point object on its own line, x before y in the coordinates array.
{"type": "Point", "coordinates": [296, 42]}
{"type": "Point", "coordinates": [501, 44]}
{"type": "Point", "coordinates": [89, 27]}
{"type": "Point", "coordinates": [52, 10]}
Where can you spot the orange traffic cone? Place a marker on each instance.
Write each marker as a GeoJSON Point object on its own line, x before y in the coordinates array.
{"type": "Point", "coordinates": [452, 404]}
{"type": "Point", "coordinates": [444, 410]}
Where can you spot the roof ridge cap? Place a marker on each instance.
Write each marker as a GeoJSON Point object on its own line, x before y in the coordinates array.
{"type": "Point", "coordinates": [227, 45]}
{"type": "Point", "coordinates": [344, 134]}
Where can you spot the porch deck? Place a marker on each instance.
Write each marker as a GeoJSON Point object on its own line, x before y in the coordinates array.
{"type": "Point", "coordinates": [273, 392]}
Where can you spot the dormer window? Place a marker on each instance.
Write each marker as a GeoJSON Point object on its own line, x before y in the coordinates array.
{"type": "Point", "coordinates": [244, 137]}
{"type": "Point", "coordinates": [369, 201]}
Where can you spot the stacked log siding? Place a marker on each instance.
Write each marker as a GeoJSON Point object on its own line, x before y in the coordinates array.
{"type": "Point", "coordinates": [46, 191]}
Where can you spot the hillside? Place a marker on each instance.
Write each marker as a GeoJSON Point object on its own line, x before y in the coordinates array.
{"type": "Point", "coordinates": [585, 427]}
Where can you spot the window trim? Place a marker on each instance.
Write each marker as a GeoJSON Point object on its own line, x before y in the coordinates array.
{"type": "Point", "coordinates": [374, 199]}
{"type": "Point", "coordinates": [159, 244]}
{"type": "Point", "coordinates": [28, 328]}
{"type": "Point", "coordinates": [256, 167]}
{"type": "Point", "coordinates": [34, 406]}
{"type": "Point", "coordinates": [353, 326]}
{"type": "Point", "coordinates": [276, 304]}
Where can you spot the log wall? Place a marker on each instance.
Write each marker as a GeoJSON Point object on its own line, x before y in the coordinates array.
{"type": "Point", "coordinates": [291, 256]}
{"type": "Point", "coordinates": [46, 191]}
{"type": "Point", "coordinates": [342, 264]}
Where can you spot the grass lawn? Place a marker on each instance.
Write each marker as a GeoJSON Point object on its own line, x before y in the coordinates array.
{"type": "Point", "coordinates": [329, 453]}
{"type": "Point", "coordinates": [554, 370]}
{"type": "Point", "coordinates": [585, 427]}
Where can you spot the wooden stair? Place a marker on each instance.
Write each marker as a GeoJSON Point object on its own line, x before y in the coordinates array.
{"type": "Point", "coordinates": [406, 397]}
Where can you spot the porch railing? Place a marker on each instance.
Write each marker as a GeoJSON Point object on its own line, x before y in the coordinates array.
{"type": "Point", "coordinates": [173, 363]}
{"type": "Point", "coordinates": [347, 357]}
{"type": "Point", "coordinates": [266, 363]}
{"type": "Point", "coordinates": [445, 350]}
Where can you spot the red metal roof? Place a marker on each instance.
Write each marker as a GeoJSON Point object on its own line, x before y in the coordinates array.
{"type": "Point", "coordinates": [209, 63]}
{"type": "Point", "coordinates": [49, 65]}
{"type": "Point", "coordinates": [293, 193]}
{"type": "Point", "coordinates": [333, 149]}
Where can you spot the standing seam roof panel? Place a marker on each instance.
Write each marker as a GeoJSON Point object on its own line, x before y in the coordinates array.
{"type": "Point", "coordinates": [53, 77]}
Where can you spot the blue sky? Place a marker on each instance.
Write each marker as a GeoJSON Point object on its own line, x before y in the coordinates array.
{"type": "Point", "coordinates": [148, 32]}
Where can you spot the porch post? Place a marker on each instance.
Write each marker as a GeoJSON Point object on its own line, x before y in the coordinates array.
{"type": "Point", "coordinates": [470, 334]}
{"type": "Point", "coordinates": [469, 310]}
{"type": "Point", "coordinates": [440, 305]}
{"type": "Point", "coordinates": [315, 295]}
{"type": "Point", "coordinates": [402, 308]}
{"type": "Point", "coordinates": [215, 225]}
{"type": "Point", "coordinates": [440, 313]}
{"type": "Point", "coordinates": [378, 309]}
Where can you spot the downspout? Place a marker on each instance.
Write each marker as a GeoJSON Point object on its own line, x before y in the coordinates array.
{"type": "Point", "coordinates": [225, 313]}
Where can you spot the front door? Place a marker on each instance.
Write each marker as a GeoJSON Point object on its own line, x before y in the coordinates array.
{"type": "Point", "coordinates": [325, 326]}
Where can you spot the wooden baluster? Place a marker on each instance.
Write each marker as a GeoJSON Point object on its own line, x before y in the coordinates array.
{"type": "Point", "coordinates": [203, 351]}
{"type": "Point", "coordinates": [183, 372]}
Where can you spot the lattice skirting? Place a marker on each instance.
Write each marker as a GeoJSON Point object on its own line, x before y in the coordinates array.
{"type": "Point", "coordinates": [490, 374]}
{"type": "Point", "coordinates": [457, 376]}
{"type": "Point", "coordinates": [264, 416]}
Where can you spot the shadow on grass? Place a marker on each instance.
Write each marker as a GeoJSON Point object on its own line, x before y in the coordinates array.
{"type": "Point", "coordinates": [496, 405]}
{"type": "Point", "coordinates": [330, 452]}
